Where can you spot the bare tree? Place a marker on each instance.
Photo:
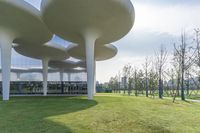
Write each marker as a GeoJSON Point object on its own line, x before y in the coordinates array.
{"type": "Point", "coordinates": [176, 63]}
{"type": "Point", "coordinates": [171, 73]}
{"type": "Point", "coordinates": [146, 68]}
{"type": "Point", "coordinates": [127, 72]}
{"type": "Point", "coordinates": [135, 82]}
{"type": "Point", "coordinates": [188, 81]}
{"type": "Point", "coordinates": [119, 79]}
{"type": "Point", "coordinates": [153, 81]}
{"type": "Point", "coordinates": [161, 58]}
{"type": "Point", "coordinates": [197, 40]}
{"type": "Point", "coordinates": [197, 58]}
{"type": "Point", "coordinates": [113, 83]}
{"type": "Point", "coordinates": [185, 60]}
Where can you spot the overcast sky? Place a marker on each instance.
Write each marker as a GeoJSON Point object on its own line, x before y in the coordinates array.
{"type": "Point", "coordinates": [157, 22]}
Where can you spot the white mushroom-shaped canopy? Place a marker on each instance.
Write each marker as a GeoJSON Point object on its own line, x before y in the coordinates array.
{"type": "Point", "coordinates": [69, 70]}
{"type": "Point", "coordinates": [39, 70]}
{"type": "Point", "coordinates": [102, 52]}
{"type": "Point", "coordinates": [89, 22]}
{"type": "Point", "coordinates": [64, 65]}
{"type": "Point", "coordinates": [22, 23]}
{"type": "Point", "coordinates": [74, 70]}
{"type": "Point", "coordinates": [51, 52]}
{"type": "Point", "coordinates": [18, 70]}
{"type": "Point", "coordinates": [81, 64]}
{"type": "Point", "coordinates": [73, 19]}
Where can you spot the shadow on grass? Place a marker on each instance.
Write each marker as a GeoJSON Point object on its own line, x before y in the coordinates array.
{"type": "Point", "coordinates": [28, 114]}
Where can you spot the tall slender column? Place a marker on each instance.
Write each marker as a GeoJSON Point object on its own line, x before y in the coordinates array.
{"type": "Point", "coordinates": [90, 37]}
{"type": "Point", "coordinates": [61, 80]}
{"type": "Point", "coordinates": [61, 75]}
{"type": "Point", "coordinates": [45, 62]}
{"type": "Point", "coordinates": [6, 48]}
{"type": "Point", "coordinates": [18, 76]}
{"type": "Point", "coordinates": [6, 65]}
{"type": "Point", "coordinates": [69, 77]}
{"type": "Point", "coordinates": [90, 66]}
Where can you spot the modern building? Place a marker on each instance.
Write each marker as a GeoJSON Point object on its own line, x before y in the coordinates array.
{"type": "Point", "coordinates": [90, 25]}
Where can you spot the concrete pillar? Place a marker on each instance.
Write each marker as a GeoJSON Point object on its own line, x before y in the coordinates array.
{"type": "Point", "coordinates": [69, 76]}
{"type": "Point", "coordinates": [6, 47]}
{"type": "Point", "coordinates": [61, 75]}
{"type": "Point", "coordinates": [90, 38]}
{"type": "Point", "coordinates": [61, 80]}
{"type": "Point", "coordinates": [45, 62]}
{"type": "Point", "coordinates": [90, 67]}
{"type": "Point", "coordinates": [18, 76]}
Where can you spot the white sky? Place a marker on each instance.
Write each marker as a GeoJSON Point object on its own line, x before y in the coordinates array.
{"type": "Point", "coordinates": [157, 22]}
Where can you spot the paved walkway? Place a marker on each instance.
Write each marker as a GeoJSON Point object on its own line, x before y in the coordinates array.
{"type": "Point", "coordinates": [193, 100]}
{"type": "Point", "coordinates": [190, 100]}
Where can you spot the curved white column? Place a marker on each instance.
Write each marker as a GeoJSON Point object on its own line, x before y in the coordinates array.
{"type": "Point", "coordinates": [90, 38]}
{"type": "Point", "coordinates": [45, 62]}
{"type": "Point", "coordinates": [61, 80]}
{"type": "Point", "coordinates": [18, 76]}
{"type": "Point", "coordinates": [6, 47]}
{"type": "Point", "coordinates": [69, 76]}
{"type": "Point", "coordinates": [61, 75]}
{"type": "Point", "coordinates": [6, 65]}
{"type": "Point", "coordinates": [90, 67]}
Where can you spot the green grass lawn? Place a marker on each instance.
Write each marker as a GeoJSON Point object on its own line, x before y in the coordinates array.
{"type": "Point", "coordinates": [105, 114]}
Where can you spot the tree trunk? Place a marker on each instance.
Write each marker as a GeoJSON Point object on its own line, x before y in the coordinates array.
{"type": "Point", "coordinates": [147, 86]}
{"type": "Point", "coordinates": [182, 88]}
